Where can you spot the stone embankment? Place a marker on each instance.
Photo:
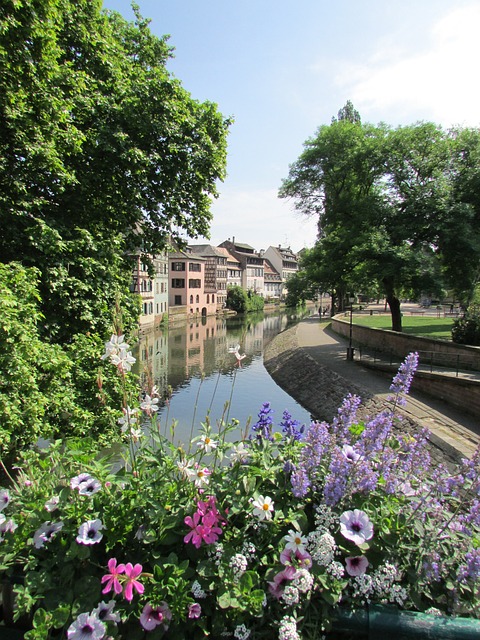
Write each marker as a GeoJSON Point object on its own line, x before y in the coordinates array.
{"type": "Point", "coordinates": [320, 389]}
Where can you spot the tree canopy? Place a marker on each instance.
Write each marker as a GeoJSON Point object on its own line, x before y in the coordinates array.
{"type": "Point", "coordinates": [102, 153]}
{"type": "Point", "coordinates": [396, 208]}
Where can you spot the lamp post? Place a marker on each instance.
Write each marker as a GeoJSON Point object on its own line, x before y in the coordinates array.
{"type": "Point", "coordinates": [350, 349]}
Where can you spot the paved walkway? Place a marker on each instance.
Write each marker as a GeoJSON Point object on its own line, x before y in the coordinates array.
{"type": "Point", "coordinates": [454, 428]}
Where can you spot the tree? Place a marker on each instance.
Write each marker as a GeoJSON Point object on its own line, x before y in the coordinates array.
{"type": "Point", "coordinates": [378, 194]}
{"type": "Point", "coordinates": [103, 154]}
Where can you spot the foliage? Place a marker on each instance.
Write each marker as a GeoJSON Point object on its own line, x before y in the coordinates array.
{"type": "Point", "coordinates": [237, 299]}
{"type": "Point", "coordinates": [264, 536]}
{"type": "Point", "coordinates": [103, 154]}
{"type": "Point", "coordinates": [466, 330]}
{"type": "Point", "coordinates": [398, 207]}
{"type": "Point", "coordinates": [243, 301]}
{"type": "Point", "coordinates": [52, 389]}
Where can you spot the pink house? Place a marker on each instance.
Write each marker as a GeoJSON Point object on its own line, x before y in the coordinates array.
{"type": "Point", "coordinates": [187, 286]}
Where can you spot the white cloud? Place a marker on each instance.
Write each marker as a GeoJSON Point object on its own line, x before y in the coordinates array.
{"type": "Point", "coordinates": [259, 218]}
{"type": "Point", "coordinates": [436, 82]}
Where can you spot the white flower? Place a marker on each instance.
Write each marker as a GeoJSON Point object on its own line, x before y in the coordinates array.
{"type": "Point", "coordinates": [149, 404]}
{"type": "Point", "coordinates": [207, 444]}
{"type": "Point", "coordinates": [303, 580]}
{"type": "Point", "coordinates": [6, 526]}
{"type": "Point", "coordinates": [4, 498]}
{"type": "Point", "coordinates": [86, 627]}
{"type": "Point", "coordinates": [322, 547]}
{"type": "Point", "coordinates": [198, 475]}
{"type": "Point", "coordinates": [89, 487]}
{"type": "Point", "coordinates": [128, 419]}
{"type": "Point", "coordinates": [288, 629]}
{"type": "Point", "coordinates": [263, 508]}
{"type": "Point", "coordinates": [77, 480]}
{"type": "Point", "coordinates": [239, 453]}
{"type": "Point", "coordinates": [290, 595]}
{"type": "Point", "coordinates": [89, 532]}
{"type": "Point", "coordinates": [104, 611]}
{"type": "Point", "coordinates": [123, 360]}
{"type": "Point", "coordinates": [114, 346]}
{"type": "Point", "coordinates": [45, 533]}
{"type": "Point", "coordinates": [356, 526]}
{"type": "Point", "coordinates": [241, 632]}
{"type": "Point", "coordinates": [52, 504]}
{"type": "Point", "coordinates": [295, 541]}
{"type": "Point", "coordinates": [350, 454]}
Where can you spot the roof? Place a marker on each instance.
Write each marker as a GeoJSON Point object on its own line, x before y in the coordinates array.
{"type": "Point", "coordinates": [226, 253]}
{"type": "Point", "coordinates": [205, 250]}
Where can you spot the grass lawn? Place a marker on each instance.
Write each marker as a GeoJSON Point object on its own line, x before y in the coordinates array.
{"type": "Point", "coordinates": [426, 326]}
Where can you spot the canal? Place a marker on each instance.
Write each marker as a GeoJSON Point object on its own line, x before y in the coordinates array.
{"type": "Point", "coordinates": [194, 364]}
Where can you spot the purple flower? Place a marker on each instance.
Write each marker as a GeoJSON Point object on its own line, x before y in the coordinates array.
{"type": "Point", "coordinates": [89, 532]}
{"type": "Point", "coordinates": [77, 480]}
{"type": "Point", "coordinates": [86, 627]}
{"type": "Point", "coordinates": [402, 381]}
{"type": "Point", "coordinates": [104, 612]}
{"type": "Point", "coordinates": [89, 487]}
{"type": "Point", "coordinates": [45, 533]}
{"type": "Point", "coordinates": [291, 428]}
{"type": "Point", "coordinates": [356, 565]}
{"type": "Point", "coordinates": [151, 617]}
{"type": "Point", "coordinates": [350, 454]}
{"type": "Point", "coordinates": [356, 526]}
{"type": "Point", "coordinates": [194, 610]}
{"type": "Point", "coordinates": [4, 498]}
{"type": "Point", "coordinates": [347, 415]}
{"type": "Point", "coordinates": [277, 586]}
{"type": "Point", "coordinates": [263, 426]}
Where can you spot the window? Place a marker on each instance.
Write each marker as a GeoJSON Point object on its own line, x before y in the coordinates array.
{"type": "Point", "coordinates": [197, 300]}
{"type": "Point", "coordinates": [178, 299]}
{"type": "Point", "coordinates": [191, 299]}
{"type": "Point", "coordinates": [194, 284]}
{"type": "Point", "coordinates": [178, 266]}
{"type": "Point", "coordinates": [213, 297]}
{"type": "Point", "coordinates": [208, 298]}
{"type": "Point", "coordinates": [194, 266]}
{"type": "Point", "coordinates": [178, 283]}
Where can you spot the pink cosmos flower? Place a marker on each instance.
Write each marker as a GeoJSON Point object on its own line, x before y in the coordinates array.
{"type": "Point", "coordinates": [356, 566]}
{"type": "Point", "coordinates": [112, 578]}
{"type": "Point", "coordinates": [132, 573]}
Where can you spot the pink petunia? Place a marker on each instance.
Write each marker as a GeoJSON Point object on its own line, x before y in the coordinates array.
{"type": "Point", "coordinates": [131, 582]}
{"type": "Point", "coordinates": [356, 566]}
{"type": "Point", "coordinates": [112, 578]}
{"type": "Point", "coordinates": [280, 581]}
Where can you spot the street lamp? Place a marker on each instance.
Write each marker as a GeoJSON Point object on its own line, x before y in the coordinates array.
{"type": "Point", "coordinates": [350, 349]}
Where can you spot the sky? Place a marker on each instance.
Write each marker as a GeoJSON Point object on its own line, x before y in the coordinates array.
{"type": "Point", "coordinates": [282, 69]}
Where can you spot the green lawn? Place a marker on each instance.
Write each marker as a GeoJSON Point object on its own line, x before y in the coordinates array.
{"type": "Point", "coordinates": [426, 326]}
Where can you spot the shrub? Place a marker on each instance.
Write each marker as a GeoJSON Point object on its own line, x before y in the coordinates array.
{"type": "Point", "coordinates": [466, 330]}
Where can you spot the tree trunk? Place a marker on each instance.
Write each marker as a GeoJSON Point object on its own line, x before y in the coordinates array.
{"type": "Point", "coordinates": [394, 304]}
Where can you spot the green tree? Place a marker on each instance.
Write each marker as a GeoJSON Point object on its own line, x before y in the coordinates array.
{"type": "Point", "coordinates": [102, 154]}
{"type": "Point", "coordinates": [237, 299]}
{"type": "Point", "coordinates": [379, 195]}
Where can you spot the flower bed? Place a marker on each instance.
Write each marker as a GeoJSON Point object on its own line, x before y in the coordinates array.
{"type": "Point", "coordinates": [265, 537]}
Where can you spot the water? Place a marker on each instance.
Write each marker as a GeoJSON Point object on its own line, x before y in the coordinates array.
{"type": "Point", "coordinates": [205, 378]}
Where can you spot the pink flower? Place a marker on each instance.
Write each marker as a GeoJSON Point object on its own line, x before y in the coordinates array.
{"type": "Point", "coordinates": [194, 610]}
{"type": "Point", "coordinates": [356, 566]}
{"type": "Point", "coordinates": [131, 582]}
{"type": "Point", "coordinates": [151, 617]}
{"type": "Point", "coordinates": [301, 559]}
{"type": "Point", "coordinates": [203, 528]}
{"type": "Point", "coordinates": [277, 587]}
{"type": "Point", "coordinates": [112, 578]}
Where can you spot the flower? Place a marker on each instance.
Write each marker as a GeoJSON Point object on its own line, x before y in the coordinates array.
{"type": "Point", "coordinates": [149, 405]}
{"type": "Point", "coordinates": [89, 532]}
{"type": "Point", "coordinates": [4, 498]}
{"type": "Point", "coordinates": [197, 475]}
{"type": "Point", "coordinates": [114, 346]}
{"type": "Point", "coordinates": [128, 419]}
{"type": "Point", "coordinates": [277, 585]}
{"type": "Point", "coordinates": [350, 454]}
{"type": "Point", "coordinates": [89, 487]}
{"type": "Point", "coordinates": [356, 566]}
{"type": "Point", "coordinates": [131, 582]}
{"type": "Point", "coordinates": [123, 360]}
{"type": "Point", "coordinates": [6, 526]}
{"type": "Point", "coordinates": [104, 612]}
{"type": "Point", "coordinates": [86, 627]}
{"type": "Point", "coordinates": [239, 453]}
{"type": "Point", "coordinates": [151, 617]}
{"type": "Point", "coordinates": [52, 504]}
{"type": "Point", "coordinates": [263, 508]}
{"type": "Point", "coordinates": [76, 481]}
{"type": "Point", "coordinates": [241, 632]}
{"type": "Point", "coordinates": [295, 541]}
{"type": "Point", "coordinates": [45, 533]}
{"type": "Point", "coordinates": [356, 526]}
{"type": "Point", "coordinates": [207, 444]}
{"type": "Point", "coordinates": [111, 579]}
{"type": "Point", "coordinates": [194, 610]}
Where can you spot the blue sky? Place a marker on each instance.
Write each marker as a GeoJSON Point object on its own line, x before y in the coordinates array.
{"type": "Point", "coordinates": [283, 68]}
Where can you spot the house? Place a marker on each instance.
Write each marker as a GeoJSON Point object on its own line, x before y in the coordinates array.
{"type": "Point", "coordinates": [284, 261]}
{"type": "Point", "coordinates": [187, 295]}
{"type": "Point", "coordinates": [160, 284]}
{"type": "Point", "coordinates": [251, 264]}
{"type": "Point", "coordinates": [234, 269]}
{"type": "Point", "coordinates": [273, 281]}
{"type": "Point", "coordinates": [215, 271]}
{"type": "Point", "coordinates": [142, 285]}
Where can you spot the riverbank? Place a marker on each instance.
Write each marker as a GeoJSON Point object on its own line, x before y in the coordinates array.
{"type": "Point", "coordinates": [309, 362]}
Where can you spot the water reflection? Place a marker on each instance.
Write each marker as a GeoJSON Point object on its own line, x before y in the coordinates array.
{"type": "Point", "coordinates": [194, 360]}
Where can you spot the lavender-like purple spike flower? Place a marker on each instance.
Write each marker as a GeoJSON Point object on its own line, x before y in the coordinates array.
{"type": "Point", "coordinates": [402, 381]}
